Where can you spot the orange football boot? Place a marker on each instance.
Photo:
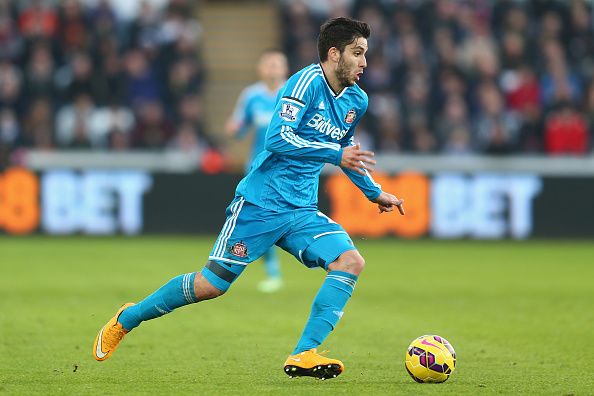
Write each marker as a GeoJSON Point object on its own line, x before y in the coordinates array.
{"type": "Point", "coordinates": [312, 364]}
{"type": "Point", "coordinates": [110, 336]}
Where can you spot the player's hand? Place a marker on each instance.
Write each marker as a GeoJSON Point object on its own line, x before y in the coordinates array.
{"type": "Point", "coordinates": [355, 159]}
{"type": "Point", "coordinates": [231, 128]}
{"type": "Point", "coordinates": [386, 203]}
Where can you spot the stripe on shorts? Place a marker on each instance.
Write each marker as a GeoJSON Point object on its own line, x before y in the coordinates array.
{"type": "Point", "coordinates": [228, 228]}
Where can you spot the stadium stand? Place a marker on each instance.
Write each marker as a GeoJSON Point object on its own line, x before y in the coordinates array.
{"type": "Point", "coordinates": [445, 77]}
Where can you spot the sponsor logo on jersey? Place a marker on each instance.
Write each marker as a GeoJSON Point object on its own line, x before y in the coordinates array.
{"type": "Point", "coordinates": [350, 116]}
{"type": "Point", "coordinates": [322, 106]}
{"type": "Point", "coordinates": [239, 249]}
{"type": "Point", "coordinates": [319, 123]}
{"type": "Point", "coordinates": [289, 112]}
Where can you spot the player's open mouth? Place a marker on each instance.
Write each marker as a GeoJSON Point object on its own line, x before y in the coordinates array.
{"type": "Point", "coordinates": [358, 75]}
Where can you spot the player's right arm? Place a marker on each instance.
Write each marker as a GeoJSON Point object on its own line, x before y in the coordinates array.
{"type": "Point", "coordinates": [237, 125]}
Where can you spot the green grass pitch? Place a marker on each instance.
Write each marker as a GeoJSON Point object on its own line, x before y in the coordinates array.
{"type": "Point", "coordinates": [519, 315]}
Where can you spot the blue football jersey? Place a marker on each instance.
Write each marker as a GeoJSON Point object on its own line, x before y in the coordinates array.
{"type": "Point", "coordinates": [310, 126]}
{"type": "Point", "coordinates": [255, 107]}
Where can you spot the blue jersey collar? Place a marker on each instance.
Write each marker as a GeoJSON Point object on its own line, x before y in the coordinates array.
{"type": "Point", "coordinates": [335, 94]}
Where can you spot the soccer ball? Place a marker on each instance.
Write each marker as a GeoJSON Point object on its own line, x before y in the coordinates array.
{"type": "Point", "coordinates": [430, 358]}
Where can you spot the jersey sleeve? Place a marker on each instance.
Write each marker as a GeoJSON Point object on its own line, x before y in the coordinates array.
{"type": "Point", "coordinates": [366, 184]}
{"type": "Point", "coordinates": [241, 113]}
{"type": "Point", "coordinates": [283, 132]}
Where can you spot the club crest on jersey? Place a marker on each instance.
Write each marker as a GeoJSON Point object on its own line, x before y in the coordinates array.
{"type": "Point", "coordinates": [288, 112]}
{"type": "Point", "coordinates": [350, 116]}
{"type": "Point", "coordinates": [239, 249]}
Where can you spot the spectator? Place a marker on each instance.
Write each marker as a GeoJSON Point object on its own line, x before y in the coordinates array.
{"type": "Point", "coordinates": [416, 100]}
{"type": "Point", "coordinates": [412, 61]}
{"type": "Point", "coordinates": [11, 43]}
{"type": "Point", "coordinates": [141, 80]}
{"type": "Point", "coordinates": [153, 128]}
{"type": "Point", "coordinates": [111, 80]}
{"type": "Point", "coordinates": [189, 109]}
{"type": "Point", "coordinates": [144, 30]}
{"type": "Point", "coordinates": [77, 78]}
{"type": "Point", "coordinates": [38, 20]}
{"type": "Point", "coordinates": [107, 121]}
{"type": "Point", "coordinates": [588, 106]}
{"type": "Point", "coordinates": [496, 129]}
{"type": "Point", "coordinates": [75, 35]}
{"type": "Point", "coordinates": [104, 20]}
{"type": "Point", "coordinates": [39, 72]}
{"type": "Point", "coordinates": [10, 130]}
{"type": "Point", "coordinates": [186, 140]}
{"type": "Point", "coordinates": [581, 39]}
{"type": "Point", "coordinates": [421, 139]}
{"type": "Point", "coordinates": [11, 82]}
{"type": "Point", "coordinates": [531, 131]}
{"type": "Point", "coordinates": [38, 125]}
{"type": "Point", "coordinates": [454, 117]}
{"type": "Point", "coordinates": [118, 141]}
{"type": "Point", "coordinates": [459, 142]}
{"type": "Point", "coordinates": [513, 51]}
{"type": "Point", "coordinates": [566, 132]}
{"type": "Point", "coordinates": [521, 88]}
{"type": "Point", "coordinates": [73, 123]}
{"type": "Point", "coordinates": [183, 80]}
{"type": "Point", "coordinates": [80, 138]}
{"type": "Point", "coordinates": [558, 83]}
{"type": "Point", "coordinates": [443, 49]}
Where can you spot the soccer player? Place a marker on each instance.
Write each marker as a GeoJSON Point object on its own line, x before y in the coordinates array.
{"type": "Point", "coordinates": [254, 108]}
{"type": "Point", "coordinates": [276, 203]}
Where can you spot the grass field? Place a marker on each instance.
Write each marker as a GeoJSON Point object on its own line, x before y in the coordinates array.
{"type": "Point", "coordinates": [519, 315]}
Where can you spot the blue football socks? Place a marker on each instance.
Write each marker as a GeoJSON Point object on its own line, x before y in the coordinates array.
{"type": "Point", "coordinates": [271, 263]}
{"type": "Point", "coordinates": [176, 293]}
{"type": "Point", "coordinates": [326, 309]}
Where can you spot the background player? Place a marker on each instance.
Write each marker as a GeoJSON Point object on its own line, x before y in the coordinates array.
{"type": "Point", "coordinates": [276, 203]}
{"type": "Point", "coordinates": [254, 108]}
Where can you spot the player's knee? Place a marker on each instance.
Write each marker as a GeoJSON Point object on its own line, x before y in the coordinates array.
{"type": "Point", "coordinates": [357, 265]}
{"type": "Point", "coordinates": [204, 290]}
{"type": "Point", "coordinates": [350, 261]}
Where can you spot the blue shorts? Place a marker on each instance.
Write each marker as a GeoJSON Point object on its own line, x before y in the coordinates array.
{"type": "Point", "coordinates": [249, 231]}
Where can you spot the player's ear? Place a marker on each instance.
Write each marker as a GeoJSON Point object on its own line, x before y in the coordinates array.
{"type": "Point", "coordinates": [334, 54]}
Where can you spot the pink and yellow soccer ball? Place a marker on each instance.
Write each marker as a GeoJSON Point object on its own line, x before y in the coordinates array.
{"type": "Point", "coordinates": [430, 358]}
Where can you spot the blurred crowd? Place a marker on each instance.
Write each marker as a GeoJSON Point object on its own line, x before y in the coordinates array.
{"type": "Point", "coordinates": [80, 76]}
{"type": "Point", "coordinates": [464, 77]}
{"type": "Point", "coordinates": [450, 77]}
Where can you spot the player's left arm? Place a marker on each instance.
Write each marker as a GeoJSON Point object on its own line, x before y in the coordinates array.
{"type": "Point", "coordinates": [361, 177]}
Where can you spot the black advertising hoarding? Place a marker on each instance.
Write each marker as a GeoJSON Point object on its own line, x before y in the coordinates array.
{"type": "Point", "coordinates": [448, 205]}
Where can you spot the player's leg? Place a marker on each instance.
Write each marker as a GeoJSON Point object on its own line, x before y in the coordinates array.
{"type": "Point", "coordinates": [189, 288]}
{"type": "Point", "coordinates": [178, 292]}
{"type": "Point", "coordinates": [228, 259]}
{"type": "Point", "coordinates": [328, 305]}
{"type": "Point", "coordinates": [274, 279]}
{"type": "Point", "coordinates": [332, 249]}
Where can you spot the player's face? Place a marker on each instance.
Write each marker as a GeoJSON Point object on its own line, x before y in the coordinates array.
{"type": "Point", "coordinates": [273, 67]}
{"type": "Point", "coordinates": [352, 62]}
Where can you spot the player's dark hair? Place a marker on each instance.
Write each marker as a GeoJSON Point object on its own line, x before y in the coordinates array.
{"type": "Point", "coordinates": [340, 32]}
